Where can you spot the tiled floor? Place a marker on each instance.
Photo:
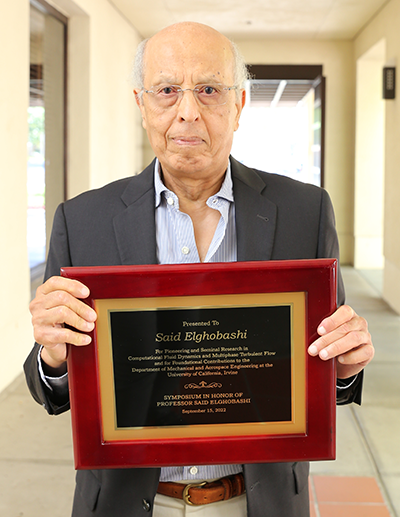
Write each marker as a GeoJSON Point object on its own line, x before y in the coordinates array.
{"type": "Point", "coordinates": [36, 465]}
{"type": "Point", "coordinates": [346, 497]}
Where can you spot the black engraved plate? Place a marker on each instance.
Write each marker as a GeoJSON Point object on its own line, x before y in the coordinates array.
{"type": "Point", "coordinates": [175, 367]}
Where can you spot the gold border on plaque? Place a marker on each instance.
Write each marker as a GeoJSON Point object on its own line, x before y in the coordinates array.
{"type": "Point", "coordinates": [298, 424]}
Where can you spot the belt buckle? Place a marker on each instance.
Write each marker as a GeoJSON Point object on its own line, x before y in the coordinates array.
{"type": "Point", "coordinates": [186, 495]}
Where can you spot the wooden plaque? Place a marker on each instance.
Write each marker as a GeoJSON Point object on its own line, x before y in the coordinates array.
{"type": "Point", "coordinates": [204, 364]}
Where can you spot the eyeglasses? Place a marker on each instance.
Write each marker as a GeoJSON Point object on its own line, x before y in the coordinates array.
{"type": "Point", "coordinates": [167, 95]}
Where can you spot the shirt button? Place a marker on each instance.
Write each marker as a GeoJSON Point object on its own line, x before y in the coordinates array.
{"type": "Point", "coordinates": [193, 470]}
{"type": "Point", "coordinates": [146, 505]}
{"type": "Point", "coordinates": [185, 250]}
{"type": "Point", "coordinates": [170, 200]}
{"type": "Point", "coordinates": [215, 201]}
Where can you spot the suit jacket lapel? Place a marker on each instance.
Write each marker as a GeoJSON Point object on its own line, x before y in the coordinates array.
{"type": "Point", "coordinates": [255, 218]}
{"type": "Point", "coordinates": [135, 226]}
{"type": "Point", "coordinates": [255, 214]}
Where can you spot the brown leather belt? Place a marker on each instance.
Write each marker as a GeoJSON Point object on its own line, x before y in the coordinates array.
{"type": "Point", "coordinates": [204, 493]}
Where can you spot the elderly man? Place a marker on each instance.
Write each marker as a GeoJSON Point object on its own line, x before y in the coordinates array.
{"type": "Point", "coordinates": [193, 204]}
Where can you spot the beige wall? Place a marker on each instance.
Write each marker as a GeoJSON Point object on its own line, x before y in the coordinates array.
{"type": "Point", "coordinates": [386, 26]}
{"type": "Point", "coordinates": [369, 163]}
{"type": "Point", "coordinates": [104, 139]}
{"type": "Point", "coordinates": [14, 269]}
{"type": "Point", "coordinates": [338, 68]}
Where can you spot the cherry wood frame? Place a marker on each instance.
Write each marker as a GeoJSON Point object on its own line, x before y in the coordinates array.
{"type": "Point", "coordinates": [316, 278]}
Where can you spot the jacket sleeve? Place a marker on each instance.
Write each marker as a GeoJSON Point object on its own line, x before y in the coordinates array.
{"type": "Point", "coordinates": [348, 390]}
{"type": "Point", "coordinates": [58, 257]}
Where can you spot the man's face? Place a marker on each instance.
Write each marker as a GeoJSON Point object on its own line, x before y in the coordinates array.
{"type": "Point", "coordinates": [190, 140]}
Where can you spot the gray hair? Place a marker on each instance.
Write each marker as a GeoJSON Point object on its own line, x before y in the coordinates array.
{"type": "Point", "coordinates": [138, 66]}
{"type": "Point", "coordinates": [241, 73]}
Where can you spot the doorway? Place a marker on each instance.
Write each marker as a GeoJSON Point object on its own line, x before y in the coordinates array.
{"type": "Point", "coordinates": [282, 124]}
{"type": "Point", "coordinates": [46, 124]}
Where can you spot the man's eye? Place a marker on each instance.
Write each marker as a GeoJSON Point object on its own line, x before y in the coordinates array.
{"type": "Point", "coordinates": [167, 90]}
{"type": "Point", "coordinates": [208, 90]}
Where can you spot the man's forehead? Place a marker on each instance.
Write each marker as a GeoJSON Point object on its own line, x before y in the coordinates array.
{"type": "Point", "coordinates": [189, 31]}
{"type": "Point", "coordinates": [179, 76]}
{"type": "Point", "coordinates": [187, 49]}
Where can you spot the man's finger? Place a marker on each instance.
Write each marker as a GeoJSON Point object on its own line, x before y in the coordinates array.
{"type": "Point", "coordinates": [50, 330]}
{"type": "Point", "coordinates": [337, 343]}
{"type": "Point", "coordinates": [342, 315]}
{"type": "Point", "coordinates": [59, 315]}
{"type": "Point", "coordinates": [58, 293]}
{"type": "Point", "coordinates": [59, 283]}
{"type": "Point", "coordinates": [55, 306]}
{"type": "Point", "coordinates": [361, 355]}
{"type": "Point", "coordinates": [63, 335]}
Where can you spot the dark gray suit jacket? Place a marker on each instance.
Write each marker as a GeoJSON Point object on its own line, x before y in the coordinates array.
{"type": "Point", "coordinates": [276, 219]}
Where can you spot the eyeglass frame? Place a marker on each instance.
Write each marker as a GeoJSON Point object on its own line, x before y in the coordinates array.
{"type": "Point", "coordinates": [180, 91]}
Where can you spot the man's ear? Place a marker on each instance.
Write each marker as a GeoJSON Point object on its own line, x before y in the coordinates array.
{"type": "Point", "coordinates": [137, 95]}
{"type": "Point", "coordinates": [243, 97]}
{"type": "Point", "coordinates": [139, 102]}
{"type": "Point", "coordinates": [240, 105]}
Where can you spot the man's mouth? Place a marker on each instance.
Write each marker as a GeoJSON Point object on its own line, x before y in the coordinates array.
{"type": "Point", "coordinates": [187, 140]}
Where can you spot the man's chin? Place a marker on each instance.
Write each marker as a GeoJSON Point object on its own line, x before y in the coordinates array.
{"type": "Point", "coordinates": [190, 162]}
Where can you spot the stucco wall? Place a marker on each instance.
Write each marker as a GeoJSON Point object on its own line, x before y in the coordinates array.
{"type": "Point", "coordinates": [386, 26]}
{"type": "Point", "coordinates": [14, 269]}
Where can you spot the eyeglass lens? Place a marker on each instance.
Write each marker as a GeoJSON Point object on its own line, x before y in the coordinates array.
{"type": "Point", "coordinates": [209, 95]}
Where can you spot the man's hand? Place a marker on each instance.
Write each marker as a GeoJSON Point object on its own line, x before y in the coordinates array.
{"type": "Point", "coordinates": [344, 335]}
{"type": "Point", "coordinates": [57, 304]}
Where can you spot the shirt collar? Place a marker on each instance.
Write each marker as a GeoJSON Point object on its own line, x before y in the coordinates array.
{"type": "Point", "coordinates": [225, 192]}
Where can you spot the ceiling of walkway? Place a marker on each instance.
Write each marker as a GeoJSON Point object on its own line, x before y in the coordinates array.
{"type": "Point", "coordinates": [256, 19]}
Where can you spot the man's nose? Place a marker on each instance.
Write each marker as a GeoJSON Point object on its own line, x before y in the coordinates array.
{"type": "Point", "coordinates": [188, 107]}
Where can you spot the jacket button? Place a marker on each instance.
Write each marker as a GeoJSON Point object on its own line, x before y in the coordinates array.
{"type": "Point", "coordinates": [146, 505]}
